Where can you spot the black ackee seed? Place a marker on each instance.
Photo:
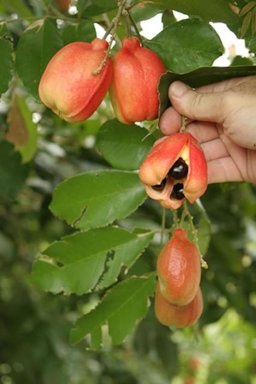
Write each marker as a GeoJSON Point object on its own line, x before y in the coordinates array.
{"type": "Point", "coordinates": [179, 170]}
{"type": "Point", "coordinates": [177, 191]}
{"type": "Point", "coordinates": [159, 187]}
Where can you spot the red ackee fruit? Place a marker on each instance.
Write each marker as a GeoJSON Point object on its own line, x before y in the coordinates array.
{"type": "Point", "coordinates": [179, 269]}
{"type": "Point", "coordinates": [72, 84]}
{"type": "Point", "coordinates": [175, 315]}
{"type": "Point", "coordinates": [136, 74]}
{"type": "Point", "coordinates": [175, 169]}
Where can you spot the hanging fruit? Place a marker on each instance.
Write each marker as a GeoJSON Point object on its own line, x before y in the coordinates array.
{"type": "Point", "coordinates": [175, 315]}
{"type": "Point", "coordinates": [72, 84]}
{"type": "Point", "coordinates": [134, 86]}
{"type": "Point", "coordinates": [175, 169]}
{"type": "Point", "coordinates": [179, 269]}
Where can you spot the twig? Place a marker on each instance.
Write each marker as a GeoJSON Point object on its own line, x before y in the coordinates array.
{"type": "Point", "coordinates": [163, 224]}
{"type": "Point", "coordinates": [186, 213]}
{"type": "Point", "coordinates": [134, 26]}
{"type": "Point", "coordinates": [115, 21]}
{"type": "Point", "coordinates": [113, 26]}
{"type": "Point", "coordinates": [184, 123]}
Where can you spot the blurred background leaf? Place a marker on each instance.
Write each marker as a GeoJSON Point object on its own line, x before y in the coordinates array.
{"type": "Point", "coordinates": [35, 48]}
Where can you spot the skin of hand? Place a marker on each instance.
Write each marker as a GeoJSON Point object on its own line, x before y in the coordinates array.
{"type": "Point", "coordinates": [222, 117]}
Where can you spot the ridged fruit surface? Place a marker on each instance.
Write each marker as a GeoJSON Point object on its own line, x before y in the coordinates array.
{"type": "Point", "coordinates": [179, 269]}
{"type": "Point", "coordinates": [178, 316]}
{"type": "Point", "coordinates": [70, 85]}
{"type": "Point", "coordinates": [160, 169]}
{"type": "Point", "coordinates": [134, 87]}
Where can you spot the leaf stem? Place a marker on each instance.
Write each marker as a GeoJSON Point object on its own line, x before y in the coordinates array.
{"type": "Point", "coordinates": [134, 26]}
{"type": "Point", "coordinates": [186, 213]}
{"type": "Point", "coordinates": [151, 129]}
{"type": "Point", "coordinates": [176, 220]}
{"type": "Point", "coordinates": [116, 19]}
{"type": "Point", "coordinates": [163, 224]}
{"type": "Point", "coordinates": [111, 29]}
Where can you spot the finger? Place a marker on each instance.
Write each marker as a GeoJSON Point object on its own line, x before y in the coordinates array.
{"type": "Point", "coordinates": [247, 85]}
{"type": "Point", "coordinates": [196, 105]}
{"type": "Point", "coordinates": [216, 87]}
{"type": "Point", "coordinates": [170, 121]}
{"type": "Point", "coordinates": [214, 149]}
{"type": "Point", "coordinates": [222, 170]}
{"type": "Point", "coordinates": [203, 131]}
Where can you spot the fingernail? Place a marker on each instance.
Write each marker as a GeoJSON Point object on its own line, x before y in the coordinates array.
{"type": "Point", "coordinates": [178, 89]}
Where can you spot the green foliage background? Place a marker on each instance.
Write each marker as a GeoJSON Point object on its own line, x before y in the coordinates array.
{"type": "Point", "coordinates": [78, 238]}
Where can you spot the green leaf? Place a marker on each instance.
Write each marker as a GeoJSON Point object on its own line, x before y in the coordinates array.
{"type": "Point", "coordinates": [126, 256]}
{"type": "Point", "coordinates": [241, 60]}
{"type": "Point", "coordinates": [124, 146]}
{"type": "Point", "coordinates": [200, 77]}
{"type": "Point", "coordinates": [18, 7]}
{"type": "Point", "coordinates": [168, 18]}
{"type": "Point", "coordinates": [36, 47]}
{"type": "Point", "coordinates": [89, 8]}
{"type": "Point", "coordinates": [187, 44]}
{"type": "Point", "coordinates": [22, 131]}
{"type": "Point", "coordinates": [120, 309]}
{"type": "Point", "coordinates": [77, 262]}
{"type": "Point", "coordinates": [4, 30]}
{"type": "Point", "coordinates": [95, 199]}
{"type": "Point", "coordinates": [251, 44]}
{"type": "Point", "coordinates": [6, 64]}
{"type": "Point", "coordinates": [217, 10]}
{"type": "Point", "coordinates": [248, 7]}
{"type": "Point", "coordinates": [142, 11]}
{"type": "Point", "coordinates": [12, 172]}
{"type": "Point", "coordinates": [84, 31]}
{"type": "Point", "coordinates": [246, 24]}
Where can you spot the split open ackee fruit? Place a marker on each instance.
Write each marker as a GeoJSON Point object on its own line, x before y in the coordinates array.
{"type": "Point", "coordinates": [175, 169]}
{"type": "Point", "coordinates": [74, 84]}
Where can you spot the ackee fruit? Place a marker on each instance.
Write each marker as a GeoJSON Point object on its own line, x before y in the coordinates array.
{"type": "Point", "coordinates": [179, 269]}
{"type": "Point", "coordinates": [72, 84]}
{"type": "Point", "coordinates": [175, 169]}
{"type": "Point", "coordinates": [175, 315]}
{"type": "Point", "coordinates": [134, 87]}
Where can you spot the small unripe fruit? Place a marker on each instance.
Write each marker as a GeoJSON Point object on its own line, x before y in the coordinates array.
{"type": "Point", "coordinates": [134, 87]}
{"type": "Point", "coordinates": [179, 269]}
{"type": "Point", "coordinates": [178, 316]}
{"type": "Point", "coordinates": [73, 85]}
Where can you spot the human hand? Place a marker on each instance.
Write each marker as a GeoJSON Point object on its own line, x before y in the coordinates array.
{"type": "Point", "coordinates": [222, 117]}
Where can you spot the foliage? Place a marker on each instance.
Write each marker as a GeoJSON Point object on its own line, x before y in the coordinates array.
{"type": "Point", "coordinates": [78, 237]}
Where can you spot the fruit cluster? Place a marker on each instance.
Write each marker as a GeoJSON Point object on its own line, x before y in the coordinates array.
{"type": "Point", "coordinates": [175, 170]}
{"type": "Point", "coordinates": [79, 75]}
{"type": "Point", "coordinates": [73, 85]}
{"type": "Point", "coordinates": [178, 297]}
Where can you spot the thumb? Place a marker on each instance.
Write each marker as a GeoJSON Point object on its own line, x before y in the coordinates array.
{"type": "Point", "coordinates": [197, 105]}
